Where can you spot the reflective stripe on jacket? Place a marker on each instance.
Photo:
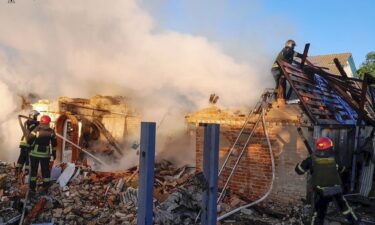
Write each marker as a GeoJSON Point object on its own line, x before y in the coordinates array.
{"type": "Point", "coordinates": [41, 140]}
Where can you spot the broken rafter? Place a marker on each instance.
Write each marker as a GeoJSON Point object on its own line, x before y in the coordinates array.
{"type": "Point", "coordinates": [304, 55]}
{"type": "Point", "coordinates": [339, 67]}
{"type": "Point", "coordinates": [328, 98]}
{"type": "Point", "coordinates": [107, 135]}
{"type": "Point", "coordinates": [283, 65]}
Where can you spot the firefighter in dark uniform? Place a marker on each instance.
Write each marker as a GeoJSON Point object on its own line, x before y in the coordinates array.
{"type": "Point", "coordinates": [287, 54]}
{"type": "Point", "coordinates": [42, 140]}
{"type": "Point", "coordinates": [30, 124]}
{"type": "Point", "coordinates": [326, 182]}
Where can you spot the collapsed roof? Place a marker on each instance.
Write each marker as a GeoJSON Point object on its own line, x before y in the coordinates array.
{"type": "Point", "coordinates": [328, 99]}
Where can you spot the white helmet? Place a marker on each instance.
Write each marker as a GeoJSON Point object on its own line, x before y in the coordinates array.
{"type": "Point", "coordinates": [33, 114]}
{"type": "Point", "coordinates": [290, 43]}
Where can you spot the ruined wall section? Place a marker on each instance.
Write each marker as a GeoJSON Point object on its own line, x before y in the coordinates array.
{"type": "Point", "coordinates": [253, 174]}
{"type": "Point", "coordinates": [113, 112]}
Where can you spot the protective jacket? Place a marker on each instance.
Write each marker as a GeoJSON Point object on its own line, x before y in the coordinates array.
{"type": "Point", "coordinates": [324, 171]}
{"type": "Point", "coordinates": [41, 140]}
{"type": "Point", "coordinates": [327, 186]}
{"type": "Point", "coordinates": [30, 125]}
{"type": "Point", "coordinates": [286, 54]}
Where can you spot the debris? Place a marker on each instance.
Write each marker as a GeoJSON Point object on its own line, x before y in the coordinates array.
{"type": "Point", "coordinates": [247, 211]}
{"type": "Point", "coordinates": [133, 175]}
{"type": "Point", "coordinates": [66, 175]}
{"type": "Point", "coordinates": [9, 216]}
{"type": "Point", "coordinates": [3, 178]}
{"type": "Point", "coordinates": [130, 197]}
{"type": "Point", "coordinates": [183, 205]}
{"type": "Point", "coordinates": [94, 197]}
{"type": "Point", "coordinates": [120, 185]}
{"type": "Point", "coordinates": [37, 209]}
{"type": "Point", "coordinates": [55, 173]}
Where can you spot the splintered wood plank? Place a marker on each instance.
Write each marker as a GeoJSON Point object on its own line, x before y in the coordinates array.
{"type": "Point", "coordinates": [329, 112]}
{"type": "Point", "coordinates": [327, 121]}
{"type": "Point", "coordinates": [289, 66]}
{"type": "Point", "coordinates": [297, 73]}
{"type": "Point", "coordinates": [315, 91]}
{"type": "Point", "coordinates": [320, 99]}
{"type": "Point", "coordinates": [335, 122]}
{"type": "Point", "coordinates": [301, 80]}
{"type": "Point", "coordinates": [308, 86]}
{"type": "Point", "coordinates": [321, 112]}
{"type": "Point", "coordinates": [312, 102]}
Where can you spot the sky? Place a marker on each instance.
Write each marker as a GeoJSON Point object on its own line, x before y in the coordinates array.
{"type": "Point", "coordinates": [240, 25]}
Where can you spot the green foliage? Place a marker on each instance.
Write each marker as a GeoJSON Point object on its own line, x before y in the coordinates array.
{"type": "Point", "coordinates": [368, 66]}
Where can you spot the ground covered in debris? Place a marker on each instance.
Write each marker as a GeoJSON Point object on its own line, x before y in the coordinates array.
{"type": "Point", "coordinates": [91, 197]}
{"type": "Point", "coordinates": [272, 214]}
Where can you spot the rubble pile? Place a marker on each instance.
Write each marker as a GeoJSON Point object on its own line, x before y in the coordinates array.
{"type": "Point", "coordinates": [270, 215]}
{"type": "Point", "coordinates": [91, 197]}
{"type": "Point", "coordinates": [183, 205]}
{"type": "Point", "coordinates": [9, 195]}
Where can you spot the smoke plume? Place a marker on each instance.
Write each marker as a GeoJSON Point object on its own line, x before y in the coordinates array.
{"type": "Point", "coordinates": [88, 47]}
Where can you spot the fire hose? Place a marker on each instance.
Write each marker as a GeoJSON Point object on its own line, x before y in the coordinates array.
{"type": "Point", "coordinates": [24, 130]}
{"type": "Point", "coordinates": [83, 150]}
{"type": "Point", "coordinates": [272, 180]}
{"type": "Point", "coordinates": [24, 207]}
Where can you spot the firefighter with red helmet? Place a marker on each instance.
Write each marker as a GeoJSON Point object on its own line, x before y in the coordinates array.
{"type": "Point", "coordinates": [326, 182]}
{"type": "Point", "coordinates": [43, 148]}
{"type": "Point", "coordinates": [30, 124]}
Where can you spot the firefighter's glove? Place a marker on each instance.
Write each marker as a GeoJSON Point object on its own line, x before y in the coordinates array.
{"type": "Point", "coordinates": [53, 155]}
{"type": "Point", "coordinates": [299, 170]}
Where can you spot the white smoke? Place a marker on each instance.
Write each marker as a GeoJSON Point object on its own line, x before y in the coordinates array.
{"type": "Point", "coordinates": [88, 47]}
{"type": "Point", "coordinates": [8, 122]}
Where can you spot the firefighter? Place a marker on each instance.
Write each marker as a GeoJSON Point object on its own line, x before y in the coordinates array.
{"type": "Point", "coordinates": [30, 124]}
{"type": "Point", "coordinates": [41, 140]}
{"type": "Point", "coordinates": [326, 182]}
{"type": "Point", "coordinates": [286, 54]}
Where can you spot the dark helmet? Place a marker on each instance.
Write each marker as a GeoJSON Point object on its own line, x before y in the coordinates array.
{"type": "Point", "coordinates": [45, 120]}
{"type": "Point", "coordinates": [290, 43]}
{"type": "Point", "coordinates": [34, 114]}
{"type": "Point", "coordinates": [324, 146]}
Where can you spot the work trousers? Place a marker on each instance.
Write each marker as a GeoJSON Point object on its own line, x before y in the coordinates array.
{"type": "Point", "coordinates": [23, 159]}
{"type": "Point", "coordinates": [277, 75]}
{"type": "Point", "coordinates": [321, 205]}
{"type": "Point", "coordinates": [46, 173]}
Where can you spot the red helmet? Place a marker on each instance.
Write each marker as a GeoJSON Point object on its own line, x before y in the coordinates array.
{"type": "Point", "coordinates": [323, 143]}
{"type": "Point", "coordinates": [45, 119]}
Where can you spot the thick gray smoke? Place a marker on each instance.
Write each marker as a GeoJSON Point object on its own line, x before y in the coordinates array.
{"type": "Point", "coordinates": [88, 47]}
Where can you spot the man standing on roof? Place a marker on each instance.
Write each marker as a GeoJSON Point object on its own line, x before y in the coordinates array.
{"type": "Point", "coordinates": [286, 54]}
{"type": "Point", "coordinates": [23, 159]}
{"type": "Point", "coordinates": [326, 182]}
{"type": "Point", "coordinates": [41, 141]}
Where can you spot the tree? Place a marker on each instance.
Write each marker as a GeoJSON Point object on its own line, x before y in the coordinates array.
{"type": "Point", "coordinates": [368, 66]}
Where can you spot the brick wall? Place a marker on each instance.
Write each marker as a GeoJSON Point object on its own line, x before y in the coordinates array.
{"type": "Point", "coordinates": [253, 175]}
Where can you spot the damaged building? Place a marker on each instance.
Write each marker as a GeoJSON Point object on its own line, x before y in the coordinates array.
{"type": "Point", "coordinates": [253, 174]}
{"type": "Point", "coordinates": [322, 102]}
{"type": "Point", "coordinates": [99, 124]}
{"type": "Point", "coordinates": [257, 156]}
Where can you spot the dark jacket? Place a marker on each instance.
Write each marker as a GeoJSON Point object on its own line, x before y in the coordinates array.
{"type": "Point", "coordinates": [324, 171]}
{"type": "Point", "coordinates": [41, 139]}
{"type": "Point", "coordinates": [286, 54]}
{"type": "Point", "coordinates": [29, 125]}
